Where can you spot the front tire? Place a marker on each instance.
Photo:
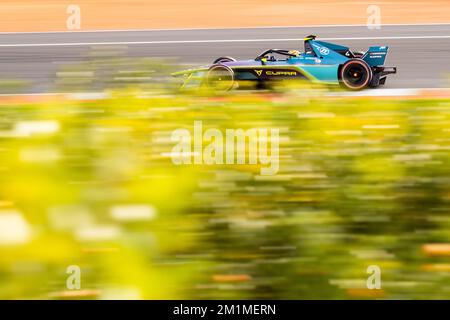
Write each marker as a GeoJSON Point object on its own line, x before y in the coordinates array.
{"type": "Point", "coordinates": [220, 78]}
{"type": "Point", "coordinates": [355, 74]}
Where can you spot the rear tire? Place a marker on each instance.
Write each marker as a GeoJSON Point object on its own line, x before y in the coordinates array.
{"type": "Point", "coordinates": [220, 78]}
{"type": "Point", "coordinates": [224, 59]}
{"type": "Point", "coordinates": [355, 74]}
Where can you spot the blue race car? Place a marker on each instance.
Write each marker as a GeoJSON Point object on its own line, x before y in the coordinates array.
{"type": "Point", "coordinates": [321, 62]}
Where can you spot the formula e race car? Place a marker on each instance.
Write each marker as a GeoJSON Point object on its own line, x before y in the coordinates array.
{"type": "Point", "coordinates": [320, 62]}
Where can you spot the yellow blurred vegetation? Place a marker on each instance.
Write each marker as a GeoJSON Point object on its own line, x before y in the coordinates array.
{"type": "Point", "coordinates": [361, 182]}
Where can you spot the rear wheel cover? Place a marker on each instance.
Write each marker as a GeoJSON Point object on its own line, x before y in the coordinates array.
{"type": "Point", "coordinates": [355, 74]}
{"type": "Point", "coordinates": [220, 78]}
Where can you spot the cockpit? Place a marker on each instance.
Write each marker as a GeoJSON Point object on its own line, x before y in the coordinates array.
{"type": "Point", "coordinates": [274, 55]}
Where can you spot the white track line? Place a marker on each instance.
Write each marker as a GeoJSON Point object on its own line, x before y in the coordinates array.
{"type": "Point", "coordinates": [65, 44]}
{"type": "Point", "coordinates": [229, 28]}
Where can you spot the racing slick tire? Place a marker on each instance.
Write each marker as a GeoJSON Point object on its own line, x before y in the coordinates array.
{"type": "Point", "coordinates": [224, 59]}
{"type": "Point", "coordinates": [355, 74]}
{"type": "Point", "coordinates": [220, 78]}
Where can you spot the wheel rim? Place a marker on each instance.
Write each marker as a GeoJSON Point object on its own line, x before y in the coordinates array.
{"type": "Point", "coordinates": [220, 78]}
{"type": "Point", "coordinates": [356, 75]}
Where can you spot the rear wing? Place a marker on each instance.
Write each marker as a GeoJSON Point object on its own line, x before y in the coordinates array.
{"type": "Point", "coordinates": [376, 56]}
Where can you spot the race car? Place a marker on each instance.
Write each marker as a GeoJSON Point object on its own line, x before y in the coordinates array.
{"type": "Point", "coordinates": [321, 62]}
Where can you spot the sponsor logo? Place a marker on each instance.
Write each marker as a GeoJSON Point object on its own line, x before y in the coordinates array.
{"type": "Point", "coordinates": [377, 55]}
{"type": "Point", "coordinates": [324, 51]}
{"type": "Point", "coordinates": [275, 73]}
{"type": "Point", "coordinates": [281, 73]}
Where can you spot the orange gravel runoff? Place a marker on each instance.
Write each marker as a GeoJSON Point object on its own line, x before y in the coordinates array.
{"type": "Point", "coordinates": [51, 15]}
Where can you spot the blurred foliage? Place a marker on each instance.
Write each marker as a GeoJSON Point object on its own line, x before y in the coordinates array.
{"type": "Point", "coordinates": [13, 85]}
{"type": "Point", "coordinates": [361, 182]}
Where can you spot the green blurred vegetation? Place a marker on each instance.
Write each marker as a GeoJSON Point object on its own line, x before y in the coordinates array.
{"type": "Point", "coordinates": [13, 85]}
{"type": "Point", "coordinates": [361, 182]}
{"type": "Point", "coordinates": [110, 67]}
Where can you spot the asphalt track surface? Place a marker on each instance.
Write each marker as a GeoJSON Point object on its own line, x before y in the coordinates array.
{"type": "Point", "coordinates": [421, 52]}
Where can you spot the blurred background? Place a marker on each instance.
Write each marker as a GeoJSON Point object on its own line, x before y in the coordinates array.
{"type": "Point", "coordinates": [85, 180]}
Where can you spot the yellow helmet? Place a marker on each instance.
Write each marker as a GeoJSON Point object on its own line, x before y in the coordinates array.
{"type": "Point", "coordinates": [310, 37]}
